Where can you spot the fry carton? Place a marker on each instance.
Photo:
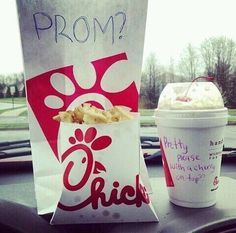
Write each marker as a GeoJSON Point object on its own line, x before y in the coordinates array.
{"type": "Point", "coordinates": [82, 64]}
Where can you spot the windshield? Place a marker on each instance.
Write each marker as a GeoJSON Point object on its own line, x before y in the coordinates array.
{"type": "Point", "coordinates": [184, 39]}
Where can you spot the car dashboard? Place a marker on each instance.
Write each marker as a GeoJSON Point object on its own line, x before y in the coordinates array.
{"type": "Point", "coordinates": [18, 213]}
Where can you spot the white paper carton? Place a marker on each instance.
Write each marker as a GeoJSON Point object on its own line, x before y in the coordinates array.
{"type": "Point", "coordinates": [76, 52]}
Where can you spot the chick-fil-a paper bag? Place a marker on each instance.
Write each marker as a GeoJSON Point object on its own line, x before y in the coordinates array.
{"type": "Point", "coordinates": [101, 176]}
{"type": "Point", "coordinates": [79, 51]}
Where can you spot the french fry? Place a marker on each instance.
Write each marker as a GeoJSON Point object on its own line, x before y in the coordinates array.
{"type": "Point", "coordinates": [57, 118]}
{"type": "Point", "coordinates": [78, 115]}
{"type": "Point", "coordinates": [66, 116]}
{"type": "Point", "coordinates": [120, 113]}
{"type": "Point", "coordinates": [89, 114]}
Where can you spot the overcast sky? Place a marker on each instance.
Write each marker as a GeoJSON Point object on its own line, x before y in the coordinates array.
{"type": "Point", "coordinates": [171, 25]}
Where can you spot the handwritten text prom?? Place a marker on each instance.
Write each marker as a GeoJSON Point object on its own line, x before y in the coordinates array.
{"type": "Point", "coordinates": [81, 29]}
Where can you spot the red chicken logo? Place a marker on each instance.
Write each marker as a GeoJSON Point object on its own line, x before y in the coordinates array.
{"type": "Point", "coordinates": [85, 143]}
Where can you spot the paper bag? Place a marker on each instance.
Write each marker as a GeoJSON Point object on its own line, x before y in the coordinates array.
{"type": "Point", "coordinates": [77, 52]}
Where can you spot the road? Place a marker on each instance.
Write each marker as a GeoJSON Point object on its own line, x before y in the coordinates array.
{"type": "Point", "coordinates": [9, 135]}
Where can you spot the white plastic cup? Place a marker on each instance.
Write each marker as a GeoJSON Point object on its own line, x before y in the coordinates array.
{"type": "Point", "coordinates": [191, 146]}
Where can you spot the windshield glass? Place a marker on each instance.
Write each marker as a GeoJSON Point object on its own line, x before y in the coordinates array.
{"type": "Point", "coordinates": [184, 39]}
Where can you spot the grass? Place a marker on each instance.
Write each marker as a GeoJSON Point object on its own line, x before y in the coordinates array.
{"type": "Point", "coordinates": [232, 117]}
{"type": "Point", "coordinates": [232, 112]}
{"type": "Point", "coordinates": [12, 126]}
{"type": "Point", "coordinates": [25, 113]}
{"type": "Point", "coordinates": [17, 100]}
{"type": "Point", "coordinates": [9, 109]}
{"type": "Point", "coordinates": [146, 112]}
{"type": "Point", "coordinates": [147, 118]}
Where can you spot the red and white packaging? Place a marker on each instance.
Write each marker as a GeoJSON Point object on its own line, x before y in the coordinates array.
{"type": "Point", "coordinates": [80, 51]}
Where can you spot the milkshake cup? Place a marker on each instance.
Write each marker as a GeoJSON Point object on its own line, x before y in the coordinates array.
{"type": "Point", "coordinates": [190, 119]}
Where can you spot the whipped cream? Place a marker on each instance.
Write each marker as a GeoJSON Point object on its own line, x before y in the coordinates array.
{"type": "Point", "coordinates": [201, 95]}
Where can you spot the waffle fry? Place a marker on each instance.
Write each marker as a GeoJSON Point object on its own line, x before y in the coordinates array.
{"type": "Point", "coordinates": [88, 114]}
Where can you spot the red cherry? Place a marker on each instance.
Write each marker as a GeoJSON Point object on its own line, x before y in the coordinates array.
{"type": "Point", "coordinates": [210, 79]}
{"type": "Point", "coordinates": [183, 99]}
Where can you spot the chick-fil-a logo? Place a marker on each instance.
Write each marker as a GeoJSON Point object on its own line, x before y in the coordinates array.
{"type": "Point", "coordinates": [56, 90]}
{"type": "Point", "coordinates": [92, 166]}
{"type": "Point", "coordinates": [87, 142]}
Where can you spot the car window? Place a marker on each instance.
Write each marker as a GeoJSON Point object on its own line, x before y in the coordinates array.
{"type": "Point", "coordinates": [184, 39]}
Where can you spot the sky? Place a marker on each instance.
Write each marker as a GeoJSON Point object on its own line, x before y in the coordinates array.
{"type": "Point", "coordinates": [171, 25]}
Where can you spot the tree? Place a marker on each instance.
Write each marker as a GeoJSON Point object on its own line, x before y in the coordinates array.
{"type": "Point", "coordinates": [207, 52]}
{"type": "Point", "coordinates": [231, 90]}
{"type": "Point", "coordinates": [189, 65]}
{"type": "Point", "coordinates": [171, 71]}
{"type": "Point", "coordinates": [151, 85]}
{"type": "Point", "coordinates": [219, 55]}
